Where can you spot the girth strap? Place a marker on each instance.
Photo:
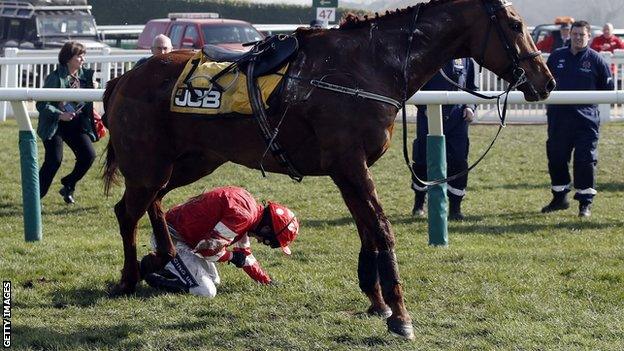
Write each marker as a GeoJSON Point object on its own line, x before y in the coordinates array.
{"type": "Point", "coordinates": [257, 105]}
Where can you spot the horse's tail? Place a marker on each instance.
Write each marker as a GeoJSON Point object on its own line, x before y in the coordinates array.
{"type": "Point", "coordinates": [110, 168]}
{"type": "Point", "coordinates": [110, 86]}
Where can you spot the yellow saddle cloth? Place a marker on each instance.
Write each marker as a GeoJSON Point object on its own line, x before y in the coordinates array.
{"type": "Point", "coordinates": [234, 98]}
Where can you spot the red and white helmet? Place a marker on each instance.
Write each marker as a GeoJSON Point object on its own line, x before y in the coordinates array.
{"type": "Point", "coordinates": [285, 225]}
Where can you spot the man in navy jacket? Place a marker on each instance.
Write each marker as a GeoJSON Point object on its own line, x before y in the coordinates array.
{"type": "Point", "coordinates": [575, 127]}
{"type": "Point", "coordinates": [455, 119]}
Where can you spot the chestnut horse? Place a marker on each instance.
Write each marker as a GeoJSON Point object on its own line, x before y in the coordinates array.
{"type": "Point", "coordinates": [323, 132]}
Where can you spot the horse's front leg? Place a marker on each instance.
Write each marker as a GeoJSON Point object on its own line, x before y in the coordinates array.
{"type": "Point", "coordinates": [368, 275]}
{"type": "Point", "coordinates": [377, 262]}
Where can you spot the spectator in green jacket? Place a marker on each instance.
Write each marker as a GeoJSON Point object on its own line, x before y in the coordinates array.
{"type": "Point", "coordinates": [70, 122]}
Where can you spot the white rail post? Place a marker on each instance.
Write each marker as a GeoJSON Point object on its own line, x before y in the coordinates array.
{"type": "Point", "coordinates": [9, 80]}
{"type": "Point", "coordinates": [105, 72]}
{"type": "Point", "coordinates": [605, 109]}
{"type": "Point", "coordinates": [4, 72]}
{"type": "Point", "coordinates": [437, 209]}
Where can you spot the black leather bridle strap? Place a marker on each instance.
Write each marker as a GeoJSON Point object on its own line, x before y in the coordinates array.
{"type": "Point", "coordinates": [492, 8]}
{"type": "Point", "coordinates": [410, 39]}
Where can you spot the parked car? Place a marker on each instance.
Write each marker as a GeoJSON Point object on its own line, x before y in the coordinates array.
{"type": "Point", "coordinates": [543, 30]}
{"type": "Point", "coordinates": [47, 24]}
{"type": "Point", "coordinates": [194, 30]}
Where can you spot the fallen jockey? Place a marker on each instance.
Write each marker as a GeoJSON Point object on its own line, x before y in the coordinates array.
{"type": "Point", "coordinates": [204, 227]}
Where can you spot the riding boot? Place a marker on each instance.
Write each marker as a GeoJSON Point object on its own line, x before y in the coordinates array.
{"type": "Point", "coordinates": [419, 204]}
{"type": "Point", "coordinates": [559, 202]}
{"type": "Point", "coordinates": [165, 280]}
{"type": "Point", "coordinates": [67, 193]}
{"type": "Point", "coordinates": [584, 209]}
{"type": "Point", "coordinates": [455, 213]}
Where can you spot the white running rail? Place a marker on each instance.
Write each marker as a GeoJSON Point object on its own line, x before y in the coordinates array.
{"type": "Point", "coordinates": [17, 71]}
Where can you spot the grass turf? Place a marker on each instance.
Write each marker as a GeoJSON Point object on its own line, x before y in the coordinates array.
{"type": "Point", "coordinates": [512, 278]}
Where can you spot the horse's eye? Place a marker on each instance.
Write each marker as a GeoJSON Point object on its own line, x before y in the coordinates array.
{"type": "Point", "coordinates": [516, 27]}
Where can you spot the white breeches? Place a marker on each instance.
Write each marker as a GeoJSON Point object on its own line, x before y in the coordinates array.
{"type": "Point", "coordinates": [204, 273]}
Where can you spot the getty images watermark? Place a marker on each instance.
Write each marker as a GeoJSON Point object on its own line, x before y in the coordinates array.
{"type": "Point", "coordinates": [6, 314]}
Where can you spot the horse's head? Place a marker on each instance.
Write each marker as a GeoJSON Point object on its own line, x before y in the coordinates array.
{"type": "Point", "coordinates": [500, 42]}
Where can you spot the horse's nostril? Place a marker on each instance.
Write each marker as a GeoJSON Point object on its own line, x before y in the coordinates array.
{"type": "Point", "coordinates": [550, 86]}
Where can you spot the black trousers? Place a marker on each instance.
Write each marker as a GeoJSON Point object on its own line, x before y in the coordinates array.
{"type": "Point", "coordinates": [457, 148]}
{"type": "Point", "coordinates": [576, 137]}
{"type": "Point", "coordinates": [81, 146]}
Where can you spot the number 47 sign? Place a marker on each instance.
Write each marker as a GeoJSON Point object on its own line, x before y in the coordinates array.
{"type": "Point", "coordinates": [326, 14]}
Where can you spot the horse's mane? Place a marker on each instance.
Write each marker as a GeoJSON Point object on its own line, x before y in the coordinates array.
{"type": "Point", "coordinates": [353, 21]}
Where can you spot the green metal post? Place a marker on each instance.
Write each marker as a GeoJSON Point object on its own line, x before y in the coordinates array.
{"type": "Point", "coordinates": [437, 205]}
{"type": "Point", "coordinates": [30, 173]}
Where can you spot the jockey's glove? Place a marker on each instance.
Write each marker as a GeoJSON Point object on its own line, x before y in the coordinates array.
{"type": "Point", "coordinates": [238, 259]}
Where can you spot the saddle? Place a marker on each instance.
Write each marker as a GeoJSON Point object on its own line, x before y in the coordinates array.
{"type": "Point", "coordinates": [218, 54]}
{"type": "Point", "coordinates": [266, 57]}
{"type": "Point", "coordinates": [269, 54]}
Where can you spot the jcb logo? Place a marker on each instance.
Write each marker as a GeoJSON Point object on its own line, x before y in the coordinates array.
{"type": "Point", "coordinates": [209, 99]}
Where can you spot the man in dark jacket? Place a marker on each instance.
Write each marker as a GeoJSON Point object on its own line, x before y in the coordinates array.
{"type": "Point", "coordinates": [455, 119]}
{"type": "Point", "coordinates": [160, 45]}
{"type": "Point", "coordinates": [575, 127]}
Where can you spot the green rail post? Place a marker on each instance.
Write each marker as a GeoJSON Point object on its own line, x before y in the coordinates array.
{"type": "Point", "coordinates": [30, 173]}
{"type": "Point", "coordinates": [436, 169]}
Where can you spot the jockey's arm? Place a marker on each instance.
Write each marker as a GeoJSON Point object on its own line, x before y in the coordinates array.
{"type": "Point", "coordinates": [214, 250]}
{"type": "Point", "coordinates": [243, 258]}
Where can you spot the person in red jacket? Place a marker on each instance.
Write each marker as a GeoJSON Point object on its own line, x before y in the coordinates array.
{"type": "Point", "coordinates": [555, 40]}
{"type": "Point", "coordinates": [607, 41]}
{"type": "Point", "coordinates": [216, 226]}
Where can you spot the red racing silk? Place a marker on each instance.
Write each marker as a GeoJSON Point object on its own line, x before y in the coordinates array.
{"type": "Point", "coordinates": [213, 221]}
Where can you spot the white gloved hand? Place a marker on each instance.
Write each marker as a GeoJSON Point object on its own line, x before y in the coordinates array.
{"type": "Point", "coordinates": [469, 115]}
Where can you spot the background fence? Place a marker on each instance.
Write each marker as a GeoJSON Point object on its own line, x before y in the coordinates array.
{"type": "Point", "coordinates": [28, 69]}
{"type": "Point", "coordinates": [536, 113]}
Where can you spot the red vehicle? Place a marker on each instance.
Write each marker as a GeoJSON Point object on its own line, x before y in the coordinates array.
{"type": "Point", "coordinates": [194, 30]}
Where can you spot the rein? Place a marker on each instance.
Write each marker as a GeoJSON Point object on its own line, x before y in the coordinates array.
{"type": "Point", "coordinates": [519, 76]}
{"type": "Point", "coordinates": [518, 73]}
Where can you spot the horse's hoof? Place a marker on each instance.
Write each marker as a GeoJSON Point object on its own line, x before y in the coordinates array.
{"type": "Point", "coordinates": [400, 328]}
{"type": "Point", "coordinates": [384, 312]}
{"type": "Point", "coordinates": [121, 289]}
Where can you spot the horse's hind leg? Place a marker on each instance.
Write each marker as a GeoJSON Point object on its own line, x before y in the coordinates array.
{"type": "Point", "coordinates": [186, 170]}
{"type": "Point", "coordinates": [165, 250]}
{"type": "Point", "coordinates": [129, 210]}
{"type": "Point", "coordinates": [377, 262]}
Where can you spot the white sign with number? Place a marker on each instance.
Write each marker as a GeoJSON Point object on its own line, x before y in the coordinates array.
{"type": "Point", "coordinates": [326, 14]}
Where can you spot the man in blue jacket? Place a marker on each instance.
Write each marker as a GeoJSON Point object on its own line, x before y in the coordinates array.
{"type": "Point", "coordinates": [575, 127]}
{"type": "Point", "coordinates": [455, 120]}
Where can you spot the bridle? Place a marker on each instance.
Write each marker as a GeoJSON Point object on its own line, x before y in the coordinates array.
{"type": "Point", "coordinates": [492, 7]}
